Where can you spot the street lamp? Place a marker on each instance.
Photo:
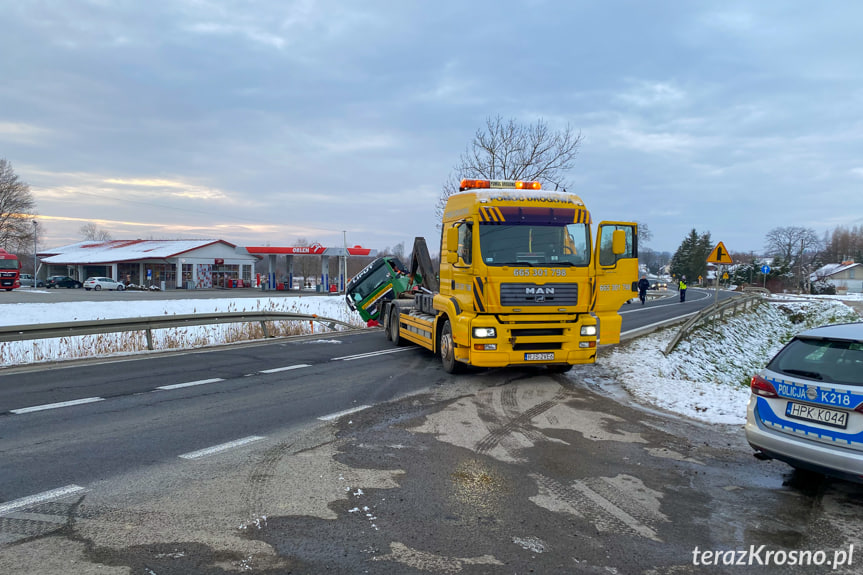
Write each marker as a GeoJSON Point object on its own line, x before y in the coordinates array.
{"type": "Point", "coordinates": [345, 262]}
{"type": "Point", "coordinates": [35, 243]}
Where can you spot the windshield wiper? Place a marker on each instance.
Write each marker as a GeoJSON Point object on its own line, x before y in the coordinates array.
{"type": "Point", "coordinates": [515, 264]}
{"type": "Point", "coordinates": [804, 373]}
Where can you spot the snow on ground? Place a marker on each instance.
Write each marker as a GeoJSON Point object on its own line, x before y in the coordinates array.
{"type": "Point", "coordinates": [705, 378]}
{"type": "Point", "coordinates": [24, 352]}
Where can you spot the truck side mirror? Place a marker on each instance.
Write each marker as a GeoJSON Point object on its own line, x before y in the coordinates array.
{"type": "Point", "coordinates": [452, 245]}
{"type": "Point", "coordinates": [618, 242]}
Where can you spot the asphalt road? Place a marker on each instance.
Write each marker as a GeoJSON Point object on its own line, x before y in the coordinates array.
{"type": "Point", "coordinates": [236, 460]}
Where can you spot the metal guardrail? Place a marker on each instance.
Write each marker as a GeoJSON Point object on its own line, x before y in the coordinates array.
{"type": "Point", "coordinates": [719, 308]}
{"type": "Point", "coordinates": [148, 324]}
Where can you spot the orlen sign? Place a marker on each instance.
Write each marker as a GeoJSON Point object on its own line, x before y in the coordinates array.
{"type": "Point", "coordinates": [312, 249]}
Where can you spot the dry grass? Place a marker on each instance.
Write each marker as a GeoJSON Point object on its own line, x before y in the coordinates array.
{"type": "Point", "coordinates": [79, 347]}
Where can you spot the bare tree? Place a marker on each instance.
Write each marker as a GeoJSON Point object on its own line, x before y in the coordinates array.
{"type": "Point", "coordinates": [512, 151]}
{"type": "Point", "coordinates": [91, 231]}
{"type": "Point", "coordinates": [644, 234]}
{"type": "Point", "coordinates": [308, 265]}
{"type": "Point", "coordinates": [797, 247]}
{"type": "Point", "coordinates": [790, 243]}
{"type": "Point", "coordinates": [16, 209]}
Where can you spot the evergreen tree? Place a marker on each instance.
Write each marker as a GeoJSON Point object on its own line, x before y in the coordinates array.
{"type": "Point", "coordinates": [690, 259]}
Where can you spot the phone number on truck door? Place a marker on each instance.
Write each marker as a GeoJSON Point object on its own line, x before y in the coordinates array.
{"type": "Point", "coordinates": [556, 272]}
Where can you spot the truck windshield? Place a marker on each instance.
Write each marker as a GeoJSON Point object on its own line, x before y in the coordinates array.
{"type": "Point", "coordinates": [535, 244]}
{"type": "Point", "coordinates": [8, 264]}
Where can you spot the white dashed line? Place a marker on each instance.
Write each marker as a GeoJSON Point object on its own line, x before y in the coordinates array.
{"type": "Point", "coordinates": [374, 353]}
{"type": "Point", "coordinates": [334, 416]}
{"type": "Point", "coordinates": [38, 498]}
{"type": "Point", "coordinates": [56, 405]}
{"type": "Point", "coordinates": [288, 368]}
{"type": "Point", "coordinates": [220, 448]}
{"type": "Point", "coordinates": [190, 383]}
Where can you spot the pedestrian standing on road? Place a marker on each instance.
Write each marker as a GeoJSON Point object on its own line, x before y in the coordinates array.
{"type": "Point", "coordinates": [643, 284]}
{"type": "Point", "coordinates": [682, 287]}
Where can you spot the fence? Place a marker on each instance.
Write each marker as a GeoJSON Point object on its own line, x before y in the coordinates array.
{"type": "Point", "coordinates": [148, 324]}
{"type": "Point", "coordinates": [720, 308]}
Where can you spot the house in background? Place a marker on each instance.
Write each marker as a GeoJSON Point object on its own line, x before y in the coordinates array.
{"type": "Point", "coordinates": [166, 264]}
{"type": "Point", "coordinates": [846, 277]}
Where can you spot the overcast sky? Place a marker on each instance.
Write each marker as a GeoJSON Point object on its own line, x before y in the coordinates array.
{"type": "Point", "coordinates": [264, 122]}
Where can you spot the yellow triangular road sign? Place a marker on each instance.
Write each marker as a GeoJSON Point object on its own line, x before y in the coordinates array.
{"type": "Point", "coordinates": [719, 255]}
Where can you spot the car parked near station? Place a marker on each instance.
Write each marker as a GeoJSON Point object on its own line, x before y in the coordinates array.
{"type": "Point", "coordinates": [806, 407]}
{"type": "Point", "coordinates": [100, 283]}
{"type": "Point", "coordinates": [26, 280]}
{"type": "Point", "coordinates": [62, 281]}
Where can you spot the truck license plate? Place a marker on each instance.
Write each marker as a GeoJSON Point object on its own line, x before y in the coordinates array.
{"type": "Point", "coordinates": [820, 415]}
{"type": "Point", "coordinates": [539, 356]}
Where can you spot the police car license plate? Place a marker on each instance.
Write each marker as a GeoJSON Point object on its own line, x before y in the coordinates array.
{"type": "Point", "coordinates": [820, 415]}
{"type": "Point", "coordinates": [539, 356]}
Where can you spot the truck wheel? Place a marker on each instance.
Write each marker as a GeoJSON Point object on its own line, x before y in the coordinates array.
{"type": "Point", "coordinates": [393, 324]}
{"type": "Point", "coordinates": [447, 350]}
{"type": "Point", "coordinates": [385, 320]}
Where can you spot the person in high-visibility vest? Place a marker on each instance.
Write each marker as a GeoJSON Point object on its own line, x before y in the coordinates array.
{"type": "Point", "coordinates": [681, 286]}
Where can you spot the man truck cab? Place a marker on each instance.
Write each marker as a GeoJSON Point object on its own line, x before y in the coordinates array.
{"type": "Point", "coordinates": [522, 281]}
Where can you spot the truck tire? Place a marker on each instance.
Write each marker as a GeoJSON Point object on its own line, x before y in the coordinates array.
{"type": "Point", "coordinates": [385, 321]}
{"type": "Point", "coordinates": [447, 350]}
{"type": "Point", "coordinates": [393, 324]}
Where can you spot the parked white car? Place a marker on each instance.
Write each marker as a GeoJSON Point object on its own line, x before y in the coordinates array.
{"type": "Point", "coordinates": [99, 283]}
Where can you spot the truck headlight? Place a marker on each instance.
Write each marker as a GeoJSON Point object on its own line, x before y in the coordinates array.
{"type": "Point", "coordinates": [484, 332]}
{"type": "Point", "coordinates": [588, 330]}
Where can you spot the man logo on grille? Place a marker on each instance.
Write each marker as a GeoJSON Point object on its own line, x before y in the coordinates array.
{"type": "Point", "coordinates": [538, 293]}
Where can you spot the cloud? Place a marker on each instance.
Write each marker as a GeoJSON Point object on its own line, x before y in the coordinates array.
{"type": "Point", "coordinates": [646, 94]}
{"type": "Point", "coordinates": [22, 133]}
{"type": "Point", "coordinates": [173, 188]}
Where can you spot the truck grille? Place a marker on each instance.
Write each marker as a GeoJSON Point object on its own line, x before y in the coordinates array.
{"type": "Point", "coordinates": [528, 294]}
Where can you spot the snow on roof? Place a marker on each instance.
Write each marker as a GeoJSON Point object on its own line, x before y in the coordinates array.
{"type": "Point", "coordinates": [831, 269]}
{"type": "Point", "coordinates": [104, 252]}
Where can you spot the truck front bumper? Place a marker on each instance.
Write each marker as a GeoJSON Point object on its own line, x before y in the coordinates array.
{"type": "Point", "coordinates": [539, 340]}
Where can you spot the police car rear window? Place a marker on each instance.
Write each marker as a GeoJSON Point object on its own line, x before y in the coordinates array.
{"type": "Point", "coordinates": [829, 361]}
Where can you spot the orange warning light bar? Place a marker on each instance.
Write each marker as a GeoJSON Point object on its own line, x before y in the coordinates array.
{"type": "Point", "coordinates": [498, 184]}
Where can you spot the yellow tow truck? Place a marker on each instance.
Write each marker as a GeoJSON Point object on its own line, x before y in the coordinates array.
{"type": "Point", "coordinates": [521, 281]}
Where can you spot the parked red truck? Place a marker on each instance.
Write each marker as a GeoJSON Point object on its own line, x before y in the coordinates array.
{"type": "Point", "coordinates": [10, 269]}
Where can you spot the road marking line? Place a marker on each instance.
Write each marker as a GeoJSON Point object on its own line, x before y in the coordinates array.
{"type": "Point", "coordinates": [190, 383]}
{"type": "Point", "coordinates": [56, 405]}
{"type": "Point", "coordinates": [373, 353]}
{"type": "Point", "coordinates": [38, 498]}
{"type": "Point", "coordinates": [334, 416]}
{"type": "Point", "coordinates": [219, 448]}
{"type": "Point", "coordinates": [278, 369]}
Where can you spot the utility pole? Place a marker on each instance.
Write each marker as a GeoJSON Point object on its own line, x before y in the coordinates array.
{"type": "Point", "coordinates": [35, 249]}
{"type": "Point", "coordinates": [800, 267]}
{"type": "Point", "coordinates": [345, 261]}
